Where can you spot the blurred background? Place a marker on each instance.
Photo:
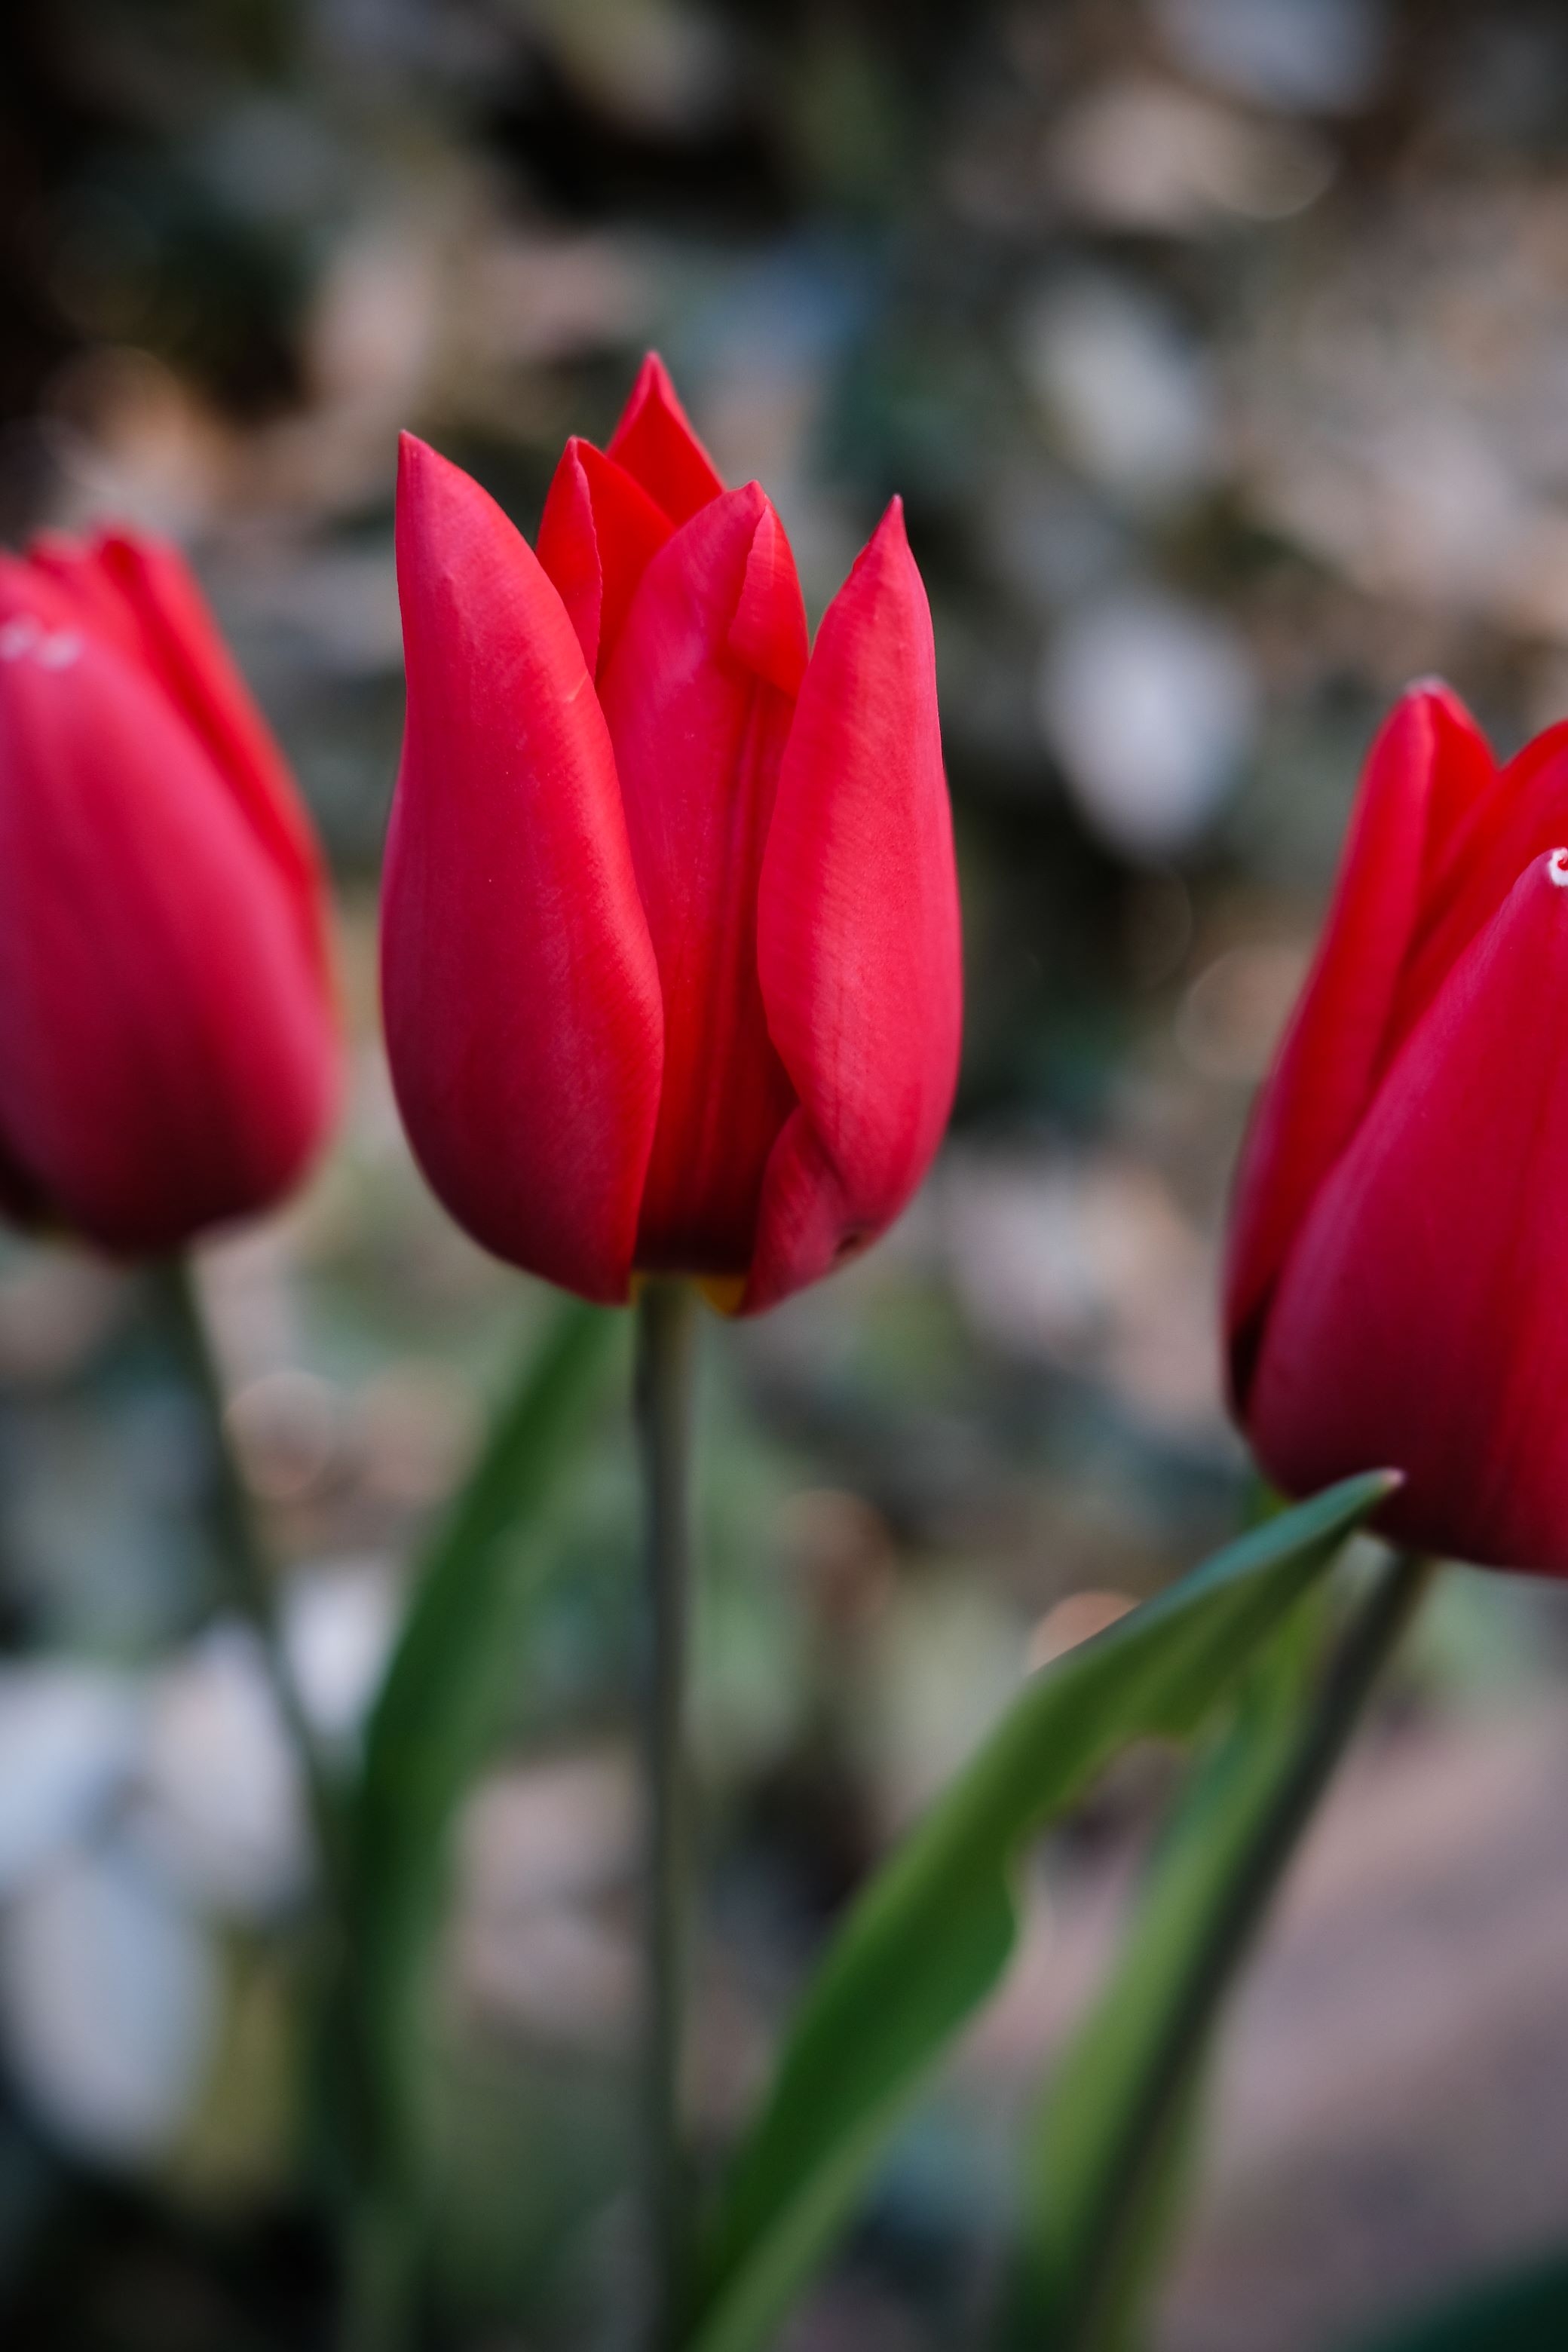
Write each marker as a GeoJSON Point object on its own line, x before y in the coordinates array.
{"type": "Point", "coordinates": [1219, 349]}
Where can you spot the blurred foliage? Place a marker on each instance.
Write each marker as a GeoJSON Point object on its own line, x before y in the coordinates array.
{"type": "Point", "coordinates": [1219, 349]}
{"type": "Point", "coordinates": [931, 1935]}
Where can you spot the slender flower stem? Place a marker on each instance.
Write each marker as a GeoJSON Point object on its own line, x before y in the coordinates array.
{"type": "Point", "coordinates": [1325, 1732]}
{"type": "Point", "coordinates": [377, 2247]}
{"type": "Point", "coordinates": [666, 1350]}
{"type": "Point", "coordinates": [382, 2258]}
{"type": "Point", "coordinates": [244, 1555]}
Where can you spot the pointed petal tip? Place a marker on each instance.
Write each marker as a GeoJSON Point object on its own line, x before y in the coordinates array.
{"type": "Point", "coordinates": [655, 441]}
{"type": "Point", "coordinates": [417, 462]}
{"type": "Point", "coordinates": [1433, 689]}
{"type": "Point", "coordinates": [768, 631]}
{"type": "Point", "coordinates": [1431, 722]}
{"type": "Point", "coordinates": [652, 386]}
{"type": "Point", "coordinates": [889, 541]}
{"type": "Point", "coordinates": [891, 530]}
{"type": "Point", "coordinates": [420, 462]}
{"type": "Point", "coordinates": [435, 494]}
{"type": "Point", "coordinates": [886, 563]}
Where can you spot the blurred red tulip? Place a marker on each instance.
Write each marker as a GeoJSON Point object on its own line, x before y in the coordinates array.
{"type": "Point", "coordinates": [1403, 1202]}
{"type": "Point", "coordinates": [670, 951]}
{"type": "Point", "coordinates": [168, 1052]}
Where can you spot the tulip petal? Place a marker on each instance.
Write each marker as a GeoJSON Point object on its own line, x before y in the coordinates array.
{"type": "Point", "coordinates": [166, 1057]}
{"type": "Point", "coordinates": [1428, 763]}
{"type": "Point", "coordinates": [1522, 815]}
{"type": "Point", "coordinates": [521, 999]}
{"type": "Point", "coordinates": [1419, 1320]}
{"type": "Point", "coordinates": [73, 571]}
{"type": "Point", "coordinates": [596, 535]}
{"type": "Point", "coordinates": [858, 934]}
{"type": "Point", "coordinates": [698, 696]}
{"type": "Point", "coordinates": [655, 442]}
{"type": "Point", "coordinates": [141, 593]}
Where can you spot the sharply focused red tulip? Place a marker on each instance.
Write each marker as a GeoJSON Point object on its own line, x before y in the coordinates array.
{"type": "Point", "coordinates": [168, 1055]}
{"type": "Point", "coordinates": [1397, 1246]}
{"type": "Point", "coordinates": [670, 950]}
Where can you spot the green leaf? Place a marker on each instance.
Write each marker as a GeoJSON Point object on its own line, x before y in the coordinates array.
{"type": "Point", "coordinates": [438, 1707]}
{"type": "Point", "coordinates": [930, 1936]}
{"type": "Point", "coordinates": [1121, 2116]}
{"type": "Point", "coordinates": [1525, 2312]}
{"type": "Point", "coordinates": [1108, 2171]}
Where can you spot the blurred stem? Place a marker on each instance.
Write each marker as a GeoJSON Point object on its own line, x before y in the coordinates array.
{"type": "Point", "coordinates": [243, 1554]}
{"type": "Point", "coordinates": [1327, 1726]}
{"type": "Point", "coordinates": [666, 1350]}
{"type": "Point", "coordinates": [379, 2273]}
{"type": "Point", "coordinates": [383, 2259]}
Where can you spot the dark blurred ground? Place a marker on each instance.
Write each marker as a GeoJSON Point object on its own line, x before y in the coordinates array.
{"type": "Point", "coordinates": [1220, 350]}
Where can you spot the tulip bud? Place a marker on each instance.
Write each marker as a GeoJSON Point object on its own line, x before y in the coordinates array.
{"type": "Point", "coordinates": [168, 1055]}
{"type": "Point", "coordinates": [669, 942]}
{"type": "Point", "coordinates": [1395, 1244]}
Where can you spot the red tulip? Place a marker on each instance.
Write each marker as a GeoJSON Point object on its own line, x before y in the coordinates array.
{"type": "Point", "coordinates": [167, 1044]}
{"type": "Point", "coordinates": [670, 957]}
{"type": "Point", "coordinates": [1403, 1204]}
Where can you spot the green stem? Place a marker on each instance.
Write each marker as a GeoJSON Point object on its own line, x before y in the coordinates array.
{"type": "Point", "coordinates": [381, 2262]}
{"type": "Point", "coordinates": [378, 2266]}
{"type": "Point", "coordinates": [244, 1557]}
{"type": "Point", "coordinates": [666, 1351]}
{"type": "Point", "coordinates": [1325, 1732]}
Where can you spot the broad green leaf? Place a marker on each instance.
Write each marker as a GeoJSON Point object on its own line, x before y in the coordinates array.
{"type": "Point", "coordinates": [1119, 2121]}
{"type": "Point", "coordinates": [440, 1702]}
{"type": "Point", "coordinates": [1525, 2312]}
{"type": "Point", "coordinates": [930, 1936]}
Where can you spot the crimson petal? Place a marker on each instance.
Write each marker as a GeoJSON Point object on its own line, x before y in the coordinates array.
{"type": "Point", "coordinates": [141, 591]}
{"type": "Point", "coordinates": [858, 934]}
{"type": "Point", "coordinates": [167, 1060]}
{"type": "Point", "coordinates": [521, 999]}
{"type": "Point", "coordinates": [1428, 762]}
{"type": "Point", "coordinates": [1523, 814]}
{"type": "Point", "coordinates": [596, 535]}
{"type": "Point", "coordinates": [1419, 1320]}
{"type": "Point", "coordinates": [698, 696]}
{"type": "Point", "coordinates": [655, 442]}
